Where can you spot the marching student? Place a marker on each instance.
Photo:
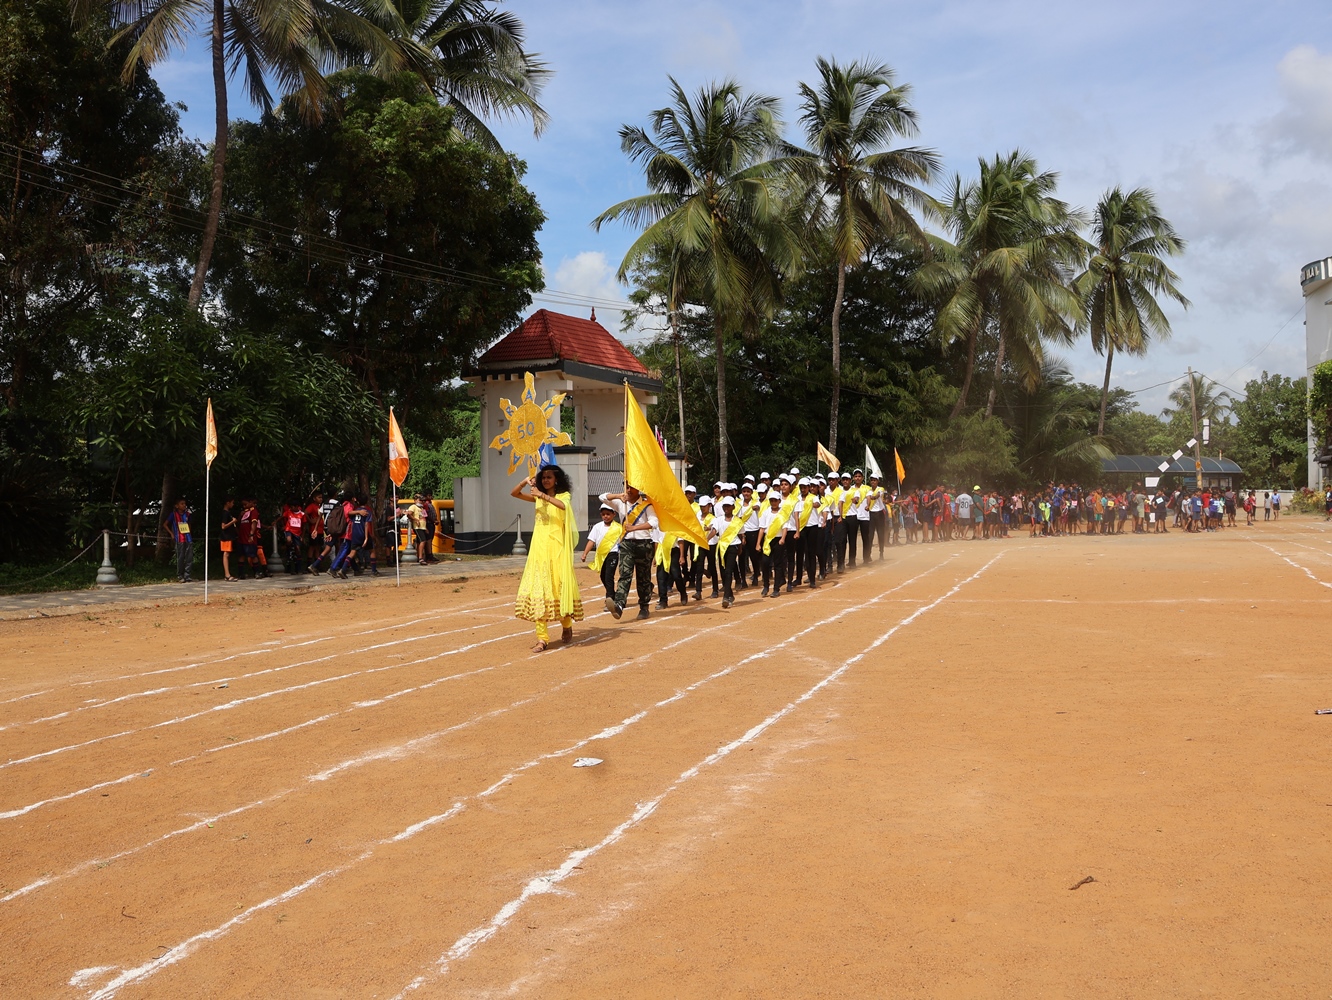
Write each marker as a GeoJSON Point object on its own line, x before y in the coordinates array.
{"type": "Point", "coordinates": [605, 557]}
{"type": "Point", "coordinates": [724, 537]}
{"type": "Point", "coordinates": [878, 513]}
{"type": "Point", "coordinates": [768, 543]}
{"type": "Point", "coordinates": [811, 533]}
{"type": "Point", "coordinates": [639, 521]}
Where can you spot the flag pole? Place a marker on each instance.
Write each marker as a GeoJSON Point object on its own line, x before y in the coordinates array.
{"type": "Point", "coordinates": [397, 551]}
{"type": "Point", "coordinates": [208, 484]}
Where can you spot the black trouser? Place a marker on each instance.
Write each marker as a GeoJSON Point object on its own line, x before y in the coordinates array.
{"type": "Point", "coordinates": [635, 564]}
{"type": "Point", "coordinates": [730, 571]}
{"type": "Point", "coordinates": [670, 577]}
{"type": "Point", "coordinates": [609, 567]}
{"type": "Point", "coordinates": [850, 532]}
{"type": "Point", "coordinates": [753, 557]}
{"type": "Point", "coordinates": [839, 543]}
{"type": "Point", "coordinates": [811, 544]}
{"type": "Point", "coordinates": [866, 533]}
{"type": "Point", "coordinates": [879, 528]}
{"type": "Point", "coordinates": [780, 567]}
{"type": "Point", "coordinates": [795, 558]}
{"type": "Point", "coordinates": [705, 565]}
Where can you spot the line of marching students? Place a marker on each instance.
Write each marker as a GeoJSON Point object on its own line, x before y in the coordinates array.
{"type": "Point", "coordinates": [774, 533]}
{"type": "Point", "coordinates": [339, 530]}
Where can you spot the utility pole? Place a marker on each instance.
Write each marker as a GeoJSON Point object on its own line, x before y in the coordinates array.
{"type": "Point", "coordinates": [679, 394]}
{"type": "Point", "coordinates": [1197, 448]}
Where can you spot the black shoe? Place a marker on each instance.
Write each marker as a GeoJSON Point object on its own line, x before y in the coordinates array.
{"type": "Point", "coordinates": [662, 605]}
{"type": "Point", "coordinates": [714, 593]}
{"type": "Point", "coordinates": [765, 592]}
{"type": "Point", "coordinates": [643, 614]}
{"type": "Point", "coordinates": [684, 598]}
{"type": "Point", "coordinates": [726, 603]}
{"type": "Point", "coordinates": [790, 587]}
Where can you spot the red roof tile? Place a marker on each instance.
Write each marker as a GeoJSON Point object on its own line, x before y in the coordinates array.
{"type": "Point", "coordinates": [547, 334]}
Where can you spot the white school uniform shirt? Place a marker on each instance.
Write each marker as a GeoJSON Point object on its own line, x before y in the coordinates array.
{"type": "Point", "coordinates": [815, 515]}
{"type": "Point", "coordinates": [597, 533]}
{"type": "Point", "coordinates": [719, 525]}
{"type": "Point", "coordinates": [793, 522]}
{"type": "Point", "coordinates": [650, 516]}
{"type": "Point", "coordinates": [766, 516]}
{"type": "Point", "coordinates": [876, 502]}
{"type": "Point", "coordinates": [752, 521]}
{"type": "Point", "coordinates": [861, 506]}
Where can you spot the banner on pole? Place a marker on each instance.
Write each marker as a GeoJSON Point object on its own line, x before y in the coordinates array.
{"type": "Point", "coordinates": [210, 436]}
{"type": "Point", "coordinates": [901, 469]}
{"type": "Point", "coordinates": [872, 463]}
{"type": "Point", "coordinates": [399, 463]}
{"type": "Point", "coordinates": [828, 458]}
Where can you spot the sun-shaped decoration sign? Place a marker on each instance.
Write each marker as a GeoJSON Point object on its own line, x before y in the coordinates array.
{"type": "Point", "coordinates": [528, 429]}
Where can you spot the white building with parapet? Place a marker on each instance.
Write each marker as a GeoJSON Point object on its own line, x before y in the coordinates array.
{"type": "Point", "coordinates": [1316, 284]}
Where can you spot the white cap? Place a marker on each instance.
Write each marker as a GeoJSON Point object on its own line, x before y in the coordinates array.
{"type": "Point", "coordinates": [761, 488]}
{"type": "Point", "coordinates": [727, 501]}
{"type": "Point", "coordinates": [606, 506]}
{"type": "Point", "coordinates": [746, 486]}
{"type": "Point", "coordinates": [705, 501]}
{"type": "Point", "coordinates": [795, 470]}
{"type": "Point", "coordinates": [764, 475]}
{"type": "Point", "coordinates": [804, 481]}
{"type": "Point", "coordinates": [749, 478]}
{"type": "Point", "coordinates": [690, 489]}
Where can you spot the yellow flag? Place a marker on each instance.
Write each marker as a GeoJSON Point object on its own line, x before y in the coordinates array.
{"type": "Point", "coordinates": [647, 470]}
{"type": "Point", "coordinates": [398, 461]}
{"type": "Point", "coordinates": [210, 437]}
{"type": "Point", "coordinates": [901, 471]}
{"type": "Point", "coordinates": [829, 459]}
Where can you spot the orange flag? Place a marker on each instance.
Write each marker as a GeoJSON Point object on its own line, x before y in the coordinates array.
{"type": "Point", "coordinates": [398, 461]}
{"type": "Point", "coordinates": [210, 437]}
{"type": "Point", "coordinates": [827, 458]}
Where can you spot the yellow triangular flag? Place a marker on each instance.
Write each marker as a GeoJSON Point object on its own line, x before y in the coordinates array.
{"type": "Point", "coordinates": [828, 458]}
{"type": "Point", "coordinates": [210, 437]}
{"type": "Point", "coordinates": [648, 471]}
{"type": "Point", "coordinates": [398, 461]}
{"type": "Point", "coordinates": [901, 472]}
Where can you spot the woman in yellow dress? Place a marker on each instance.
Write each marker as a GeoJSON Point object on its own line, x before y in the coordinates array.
{"type": "Point", "coordinates": [549, 589]}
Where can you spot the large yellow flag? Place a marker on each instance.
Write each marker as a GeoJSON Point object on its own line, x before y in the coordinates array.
{"type": "Point", "coordinates": [398, 461]}
{"type": "Point", "coordinates": [647, 470]}
{"type": "Point", "coordinates": [210, 437]}
{"type": "Point", "coordinates": [901, 472]}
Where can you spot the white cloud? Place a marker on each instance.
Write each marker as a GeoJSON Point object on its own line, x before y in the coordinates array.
{"type": "Point", "coordinates": [1304, 123]}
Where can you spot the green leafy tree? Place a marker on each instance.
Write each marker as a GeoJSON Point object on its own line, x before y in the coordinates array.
{"type": "Point", "coordinates": [1054, 425]}
{"type": "Point", "coordinates": [472, 56]}
{"type": "Point", "coordinates": [287, 41]}
{"type": "Point", "coordinates": [379, 237]}
{"type": "Point", "coordinates": [71, 241]}
{"type": "Point", "coordinates": [1125, 275]}
{"type": "Point", "coordinates": [718, 197]}
{"type": "Point", "coordinates": [862, 189]}
{"type": "Point", "coordinates": [1270, 441]}
{"type": "Point", "coordinates": [1006, 268]}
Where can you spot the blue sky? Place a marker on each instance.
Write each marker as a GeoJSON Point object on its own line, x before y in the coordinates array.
{"type": "Point", "coordinates": [1223, 108]}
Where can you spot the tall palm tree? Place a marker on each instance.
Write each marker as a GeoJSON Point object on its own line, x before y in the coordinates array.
{"type": "Point", "coordinates": [472, 56]}
{"type": "Point", "coordinates": [290, 41]}
{"type": "Point", "coordinates": [861, 186]}
{"type": "Point", "coordinates": [1212, 404]}
{"type": "Point", "coordinates": [1007, 267]}
{"type": "Point", "coordinates": [1125, 274]}
{"type": "Point", "coordinates": [718, 196]}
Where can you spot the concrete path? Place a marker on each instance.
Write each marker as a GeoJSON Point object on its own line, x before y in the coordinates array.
{"type": "Point", "coordinates": [65, 602]}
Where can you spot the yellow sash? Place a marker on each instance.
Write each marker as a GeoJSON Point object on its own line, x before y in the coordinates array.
{"type": "Point", "coordinates": [664, 548]}
{"type": "Point", "coordinates": [725, 539]}
{"type": "Point", "coordinates": [807, 510]}
{"type": "Point", "coordinates": [783, 515]}
{"type": "Point", "coordinates": [608, 540]}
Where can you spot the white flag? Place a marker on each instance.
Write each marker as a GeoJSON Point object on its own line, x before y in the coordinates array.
{"type": "Point", "coordinates": [871, 465]}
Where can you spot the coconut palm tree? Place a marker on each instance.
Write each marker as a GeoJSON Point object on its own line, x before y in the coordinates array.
{"type": "Point", "coordinates": [291, 42]}
{"type": "Point", "coordinates": [861, 187]}
{"type": "Point", "coordinates": [719, 198]}
{"type": "Point", "coordinates": [1211, 403]}
{"type": "Point", "coordinates": [1007, 267]}
{"type": "Point", "coordinates": [1124, 276]}
{"type": "Point", "coordinates": [471, 55]}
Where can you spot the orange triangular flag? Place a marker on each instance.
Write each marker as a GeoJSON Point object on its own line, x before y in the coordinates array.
{"type": "Point", "coordinates": [398, 461]}
{"type": "Point", "coordinates": [210, 437]}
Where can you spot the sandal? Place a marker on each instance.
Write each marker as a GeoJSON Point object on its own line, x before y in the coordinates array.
{"type": "Point", "coordinates": [541, 646]}
{"type": "Point", "coordinates": [233, 579]}
{"type": "Point", "coordinates": [566, 635]}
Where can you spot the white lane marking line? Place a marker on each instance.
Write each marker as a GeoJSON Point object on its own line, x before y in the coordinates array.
{"type": "Point", "coordinates": [86, 866]}
{"type": "Point", "coordinates": [1290, 561]}
{"type": "Point", "coordinates": [235, 703]}
{"type": "Point", "coordinates": [83, 976]}
{"type": "Point", "coordinates": [184, 949]}
{"type": "Point", "coordinates": [11, 814]}
{"type": "Point", "coordinates": [25, 697]}
{"type": "Point", "coordinates": [547, 882]}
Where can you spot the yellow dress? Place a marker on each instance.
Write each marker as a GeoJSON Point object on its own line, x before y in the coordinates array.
{"type": "Point", "coordinates": [549, 589]}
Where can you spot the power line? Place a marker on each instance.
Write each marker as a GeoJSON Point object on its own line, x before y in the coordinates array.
{"type": "Point", "coordinates": [105, 190]}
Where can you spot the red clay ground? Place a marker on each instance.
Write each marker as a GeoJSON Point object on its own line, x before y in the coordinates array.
{"type": "Point", "coordinates": [885, 788]}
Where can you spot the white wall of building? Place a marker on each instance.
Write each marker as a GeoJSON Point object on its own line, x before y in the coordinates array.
{"type": "Point", "coordinates": [1316, 284]}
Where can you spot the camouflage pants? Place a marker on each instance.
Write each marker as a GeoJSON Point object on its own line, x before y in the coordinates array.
{"type": "Point", "coordinates": [635, 561]}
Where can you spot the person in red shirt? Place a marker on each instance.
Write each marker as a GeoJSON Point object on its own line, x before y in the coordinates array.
{"type": "Point", "coordinates": [293, 527]}
{"type": "Point", "coordinates": [248, 531]}
{"type": "Point", "coordinates": [314, 532]}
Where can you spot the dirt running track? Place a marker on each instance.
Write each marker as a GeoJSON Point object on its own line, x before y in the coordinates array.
{"type": "Point", "coordinates": [885, 788]}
